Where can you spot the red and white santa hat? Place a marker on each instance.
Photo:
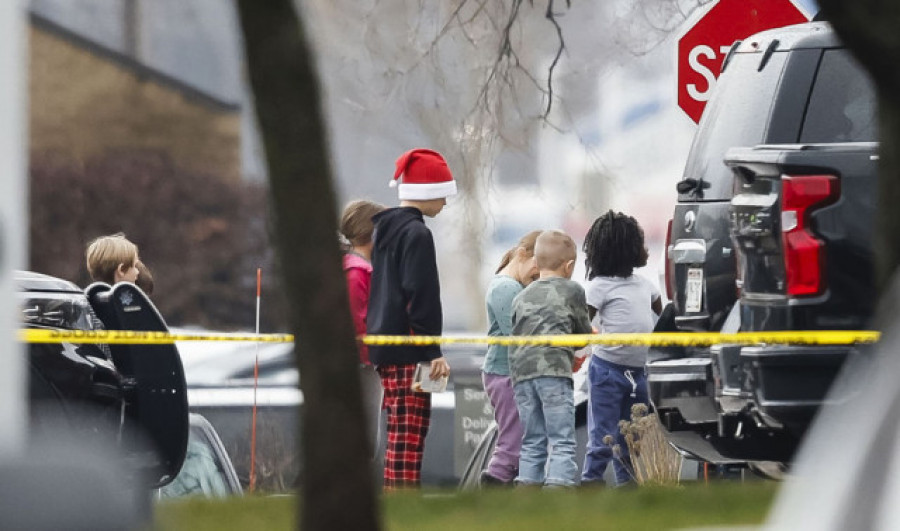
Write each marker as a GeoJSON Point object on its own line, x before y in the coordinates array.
{"type": "Point", "coordinates": [423, 174]}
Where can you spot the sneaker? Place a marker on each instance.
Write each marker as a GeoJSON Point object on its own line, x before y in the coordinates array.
{"type": "Point", "coordinates": [487, 480]}
{"type": "Point", "coordinates": [628, 485]}
{"type": "Point", "coordinates": [557, 486]}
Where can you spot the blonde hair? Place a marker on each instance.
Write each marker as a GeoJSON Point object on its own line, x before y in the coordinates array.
{"type": "Point", "coordinates": [553, 249]}
{"type": "Point", "coordinates": [527, 243]}
{"type": "Point", "coordinates": [356, 221]}
{"type": "Point", "coordinates": [106, 253]}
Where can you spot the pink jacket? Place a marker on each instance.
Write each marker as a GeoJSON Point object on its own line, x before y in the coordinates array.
{"type": "Point", "coordinates": [359, 276]}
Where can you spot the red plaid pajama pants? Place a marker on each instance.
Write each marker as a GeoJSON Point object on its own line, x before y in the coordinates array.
{"type": "Point", "coordinates": [408, 417]}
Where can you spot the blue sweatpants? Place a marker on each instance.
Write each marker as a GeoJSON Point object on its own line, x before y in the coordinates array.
{"type": "Point", "coordinates": [613, 390]}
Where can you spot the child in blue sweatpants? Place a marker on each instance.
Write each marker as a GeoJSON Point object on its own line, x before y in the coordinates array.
{"type": "Point", "coordinates": [619, 302]}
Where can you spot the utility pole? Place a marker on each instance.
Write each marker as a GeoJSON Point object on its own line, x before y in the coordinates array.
{"type": "Point", "coordinates": [13, 201]}
{"type": "Point", "coordinates": [132, 29]}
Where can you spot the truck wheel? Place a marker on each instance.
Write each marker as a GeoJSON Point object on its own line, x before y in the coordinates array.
{"type": "Point", "coordinates": [774, 470]}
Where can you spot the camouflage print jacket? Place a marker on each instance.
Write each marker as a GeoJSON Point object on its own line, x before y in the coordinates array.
{"type": "Point", "coordinates": [552, 305]}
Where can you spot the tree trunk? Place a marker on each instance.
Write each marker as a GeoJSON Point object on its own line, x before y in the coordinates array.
{"type": "Point", "coordinates": [337, 485]}
{"type": "Point", "coordinates": [869, 29]}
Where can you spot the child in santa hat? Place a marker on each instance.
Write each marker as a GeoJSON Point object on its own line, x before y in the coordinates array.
{"type": "Point", "coordinates": [405, 299]}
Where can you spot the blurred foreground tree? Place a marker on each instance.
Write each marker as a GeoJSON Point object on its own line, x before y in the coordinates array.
{"type": "Point", "coordinates": [337, 484]}
{"type": "Point", "coordinates": [202, 236]}
{"type": "Point", "coordinates": [869, 29]}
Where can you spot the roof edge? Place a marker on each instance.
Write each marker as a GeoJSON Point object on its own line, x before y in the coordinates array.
{"type": "Point", "coordinates": [141, 70]}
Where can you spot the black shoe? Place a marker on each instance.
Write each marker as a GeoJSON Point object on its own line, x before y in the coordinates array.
{"type": "Point", "coordinates": [488, 480]}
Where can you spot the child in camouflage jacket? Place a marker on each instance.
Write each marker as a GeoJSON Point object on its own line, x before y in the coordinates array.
{"type": "Point", "coordinates": [542, 374]}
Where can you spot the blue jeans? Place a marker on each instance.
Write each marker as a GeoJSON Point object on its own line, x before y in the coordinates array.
{"type": "Point", "coordinates": [611, 396]}
{"type": "Point", "coordinates": [547, 411]}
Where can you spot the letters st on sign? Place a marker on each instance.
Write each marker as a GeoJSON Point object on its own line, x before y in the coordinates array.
{"type": "Point", "coordinates": [706, 42]}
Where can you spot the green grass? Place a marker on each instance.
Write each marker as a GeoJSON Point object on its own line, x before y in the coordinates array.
{"type": "Point", "coordinates": [639, 509]}
{"type": "Point", "coordinates": [250, 512]}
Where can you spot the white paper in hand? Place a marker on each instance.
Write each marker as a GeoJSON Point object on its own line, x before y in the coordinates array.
{"type": "Point", "coordinates": [422, 383]}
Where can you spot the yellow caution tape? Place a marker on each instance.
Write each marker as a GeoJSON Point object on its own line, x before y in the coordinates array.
{"type": "Point", "coordinates": [663, 339]}
{"type": "Point", "coordinates": [129, 337]}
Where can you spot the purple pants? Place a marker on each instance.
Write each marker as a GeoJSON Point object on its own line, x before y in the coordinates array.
{"type": "Point", "coordinates": [504, 463]}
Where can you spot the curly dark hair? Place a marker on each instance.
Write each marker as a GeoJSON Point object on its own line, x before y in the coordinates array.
{"type": "Point", "coordinates": [614, 246]}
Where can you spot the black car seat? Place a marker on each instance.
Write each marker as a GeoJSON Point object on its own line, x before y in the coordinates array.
{"type": "Point", "coordinates": [156, 400]}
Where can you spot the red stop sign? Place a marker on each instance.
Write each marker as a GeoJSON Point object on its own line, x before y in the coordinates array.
{"type": "Point", "coordinates": [702, 49]}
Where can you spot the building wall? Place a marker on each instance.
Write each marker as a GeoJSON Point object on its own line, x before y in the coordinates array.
{"type": "Point", "coordinates": [88, 102]}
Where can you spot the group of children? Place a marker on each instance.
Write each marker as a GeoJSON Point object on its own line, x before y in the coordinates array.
{"type": "Point", "coordinates": [531, 387]}
{"type": "Point", "coordinates": [392, 280]}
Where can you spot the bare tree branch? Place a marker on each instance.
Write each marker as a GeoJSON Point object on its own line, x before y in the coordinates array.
{"type": "Point", "coordinates": [551, 16]}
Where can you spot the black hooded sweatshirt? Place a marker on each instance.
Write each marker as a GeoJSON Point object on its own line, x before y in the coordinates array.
{"type": "Point", "coordinates": [405, 294]}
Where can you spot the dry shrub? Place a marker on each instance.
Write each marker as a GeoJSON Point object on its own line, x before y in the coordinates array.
{"type": "Point", "coordinates": [202, 236]}
{"type": "Point", "coordinates": [276, 464]}
{"type": "Point", "coordinates": [652, 461]}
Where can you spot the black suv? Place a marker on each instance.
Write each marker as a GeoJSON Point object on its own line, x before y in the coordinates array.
{"type": "Point", "coordinates": [775, 212]}
{"type": "Point", "coordinates": [133, 396]}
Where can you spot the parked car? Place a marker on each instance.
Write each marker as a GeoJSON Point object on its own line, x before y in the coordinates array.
{"type": "Point", "coordinates": [207, 470]}
{"type": "Point", "coordinates": [775, 210]}
{"type": "Point", "coordinates": [130, 395]}
{"type": "Point", "coordinates": [220, 387]}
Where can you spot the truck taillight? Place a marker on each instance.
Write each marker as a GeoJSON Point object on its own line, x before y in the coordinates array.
{"type": "Point", "coordinates": [670, 274]}
{"type": "Point", "coordinates": [804, 254]}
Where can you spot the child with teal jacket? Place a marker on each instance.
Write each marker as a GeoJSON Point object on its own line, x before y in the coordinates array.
{"type": "Point", "coordinates": [517, 270]}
